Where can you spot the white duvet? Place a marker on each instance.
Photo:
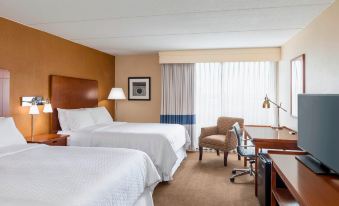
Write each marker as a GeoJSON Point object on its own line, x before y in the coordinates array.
{"type": "Point", "coordinates": [160, 141]}
{"type": "Point", "coordinates": [40, 175]}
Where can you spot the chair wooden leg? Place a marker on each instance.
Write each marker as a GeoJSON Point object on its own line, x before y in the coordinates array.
{"type": "Point", "coordinates": [225, 158]}
{"type": "Point", "coordinates": [218, 153]}
{"type": "Point", "coordinates": [200, 153]}
{"type": "Point", "coordinates": [239, 157]}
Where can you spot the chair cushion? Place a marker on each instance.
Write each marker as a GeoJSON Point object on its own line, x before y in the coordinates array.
{"type": "Point", "coordinates": [217, 140]}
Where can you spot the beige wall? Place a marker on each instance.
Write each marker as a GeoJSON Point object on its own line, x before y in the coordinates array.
{"type": "Point", "coordinates": [320, 42]}
{"type": "Point", "coordinates": [139, 66]}
{"type": "Point", "coordinates": [31, 56]}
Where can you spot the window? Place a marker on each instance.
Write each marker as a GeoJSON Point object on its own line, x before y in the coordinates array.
{"type": "Point", "coordinates": [234, 89]}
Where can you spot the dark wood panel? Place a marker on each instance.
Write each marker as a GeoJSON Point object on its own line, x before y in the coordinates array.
{"type": "Point", "coordinates": [71, 93]}
{"type": "Point", "coordinates": [4, 92]}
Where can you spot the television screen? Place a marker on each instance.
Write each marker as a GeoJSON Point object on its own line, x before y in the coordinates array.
{"type": "Point", "coordinates": [318, 123]}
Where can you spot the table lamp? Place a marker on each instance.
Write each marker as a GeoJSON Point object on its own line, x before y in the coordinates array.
{"type": "Point", "coordinates": [34, 110]}
{"type": "Point", "coordinates": [116, 94]}
{"type": "Point", "coordinates": [267, 105]}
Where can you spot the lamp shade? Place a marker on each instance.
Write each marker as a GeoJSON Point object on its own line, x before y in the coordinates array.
{"type": "Point", "coordinates": [116, 93]}
{"type": "Point", "coordinates": [34, 109]}
{"type": "Point", "coordinates": [266, 104]}
{"type": "Point", "coordinates": [48, 108]}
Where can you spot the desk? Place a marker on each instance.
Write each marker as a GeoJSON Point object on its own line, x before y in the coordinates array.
{"type": "Point", "coordinates": [303, 187]}
{"type": "Point", "coordinates": [270, 138]}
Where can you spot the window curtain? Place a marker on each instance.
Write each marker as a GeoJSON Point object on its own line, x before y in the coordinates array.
{"type": "Point", "coordinates": [177, 101]}
{"type": "Point", "coordinates": [234, 89]}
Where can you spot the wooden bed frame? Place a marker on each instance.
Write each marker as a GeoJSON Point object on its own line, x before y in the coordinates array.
{"type": "Point", "coordinates": [4, 92]}
{"type": "Point", "coordinates": [71, 93]}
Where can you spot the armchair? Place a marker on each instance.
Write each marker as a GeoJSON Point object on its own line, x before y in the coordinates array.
{"type": "Point", "coordinates": [219, 137]}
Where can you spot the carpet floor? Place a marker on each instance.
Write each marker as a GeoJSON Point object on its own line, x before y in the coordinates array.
{"type": "Point", "coordinates": [206, 183]}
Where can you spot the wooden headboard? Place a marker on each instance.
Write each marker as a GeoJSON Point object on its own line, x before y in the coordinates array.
{"type": "Point", "coordinates": [71, 93]}
{"type": "Point", "coordinates": [4, 92]}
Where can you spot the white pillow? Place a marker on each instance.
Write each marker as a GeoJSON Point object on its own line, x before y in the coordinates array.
{"type": "Point", "coordinates": [62, 116]}
{"type": "Point", "coordinates": [78, 119]}
{"type": "Point", "coordinates": [9, 134]}
{"type": "Point", "coordinates": [100, 115]}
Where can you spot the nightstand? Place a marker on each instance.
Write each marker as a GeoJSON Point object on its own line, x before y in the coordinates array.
{"type": "Point", "coordinates": [50, 139]}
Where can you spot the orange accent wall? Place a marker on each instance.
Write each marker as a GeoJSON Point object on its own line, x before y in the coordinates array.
{"type": "Point", "coordinates": [32, 55]}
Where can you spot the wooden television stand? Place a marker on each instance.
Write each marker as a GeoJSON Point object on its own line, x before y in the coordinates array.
{"type": "Point", "coordinates": [302, 186]}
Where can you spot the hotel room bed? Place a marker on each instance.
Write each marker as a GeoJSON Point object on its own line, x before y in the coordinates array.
{"type": "Point", "coordinates": [32, 174]}
{"type": "Point", "coordinates": [165, 144]}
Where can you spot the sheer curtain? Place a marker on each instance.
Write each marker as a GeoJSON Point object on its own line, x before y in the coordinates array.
{"type": "Point", "coordinates": [235, 89]}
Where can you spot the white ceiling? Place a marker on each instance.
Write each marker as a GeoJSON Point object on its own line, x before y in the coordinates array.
{"type": "Point", "coordinates": [122, 27]}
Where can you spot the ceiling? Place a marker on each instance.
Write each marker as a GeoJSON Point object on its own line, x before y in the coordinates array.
{"type": "Point", "coordinates": [121, 27]}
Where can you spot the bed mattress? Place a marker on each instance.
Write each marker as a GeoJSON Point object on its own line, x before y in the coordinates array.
{"type": "Point", "coordinates": [161, 142]}
{"type": "Point", "coordinates": [42, 175]}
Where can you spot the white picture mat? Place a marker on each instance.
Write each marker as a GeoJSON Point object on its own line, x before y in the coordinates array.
{"type": "Point", "coordinates": [147, 81]}
{"type": "Point", "coordinates": [297, 84]}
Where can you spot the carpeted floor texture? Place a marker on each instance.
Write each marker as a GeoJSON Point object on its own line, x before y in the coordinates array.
{"type": "Point", "coordinates": [206, 183]}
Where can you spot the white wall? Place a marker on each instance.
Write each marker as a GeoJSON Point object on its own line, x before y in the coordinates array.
{"type": "Point", "coordinates": [320, 42]}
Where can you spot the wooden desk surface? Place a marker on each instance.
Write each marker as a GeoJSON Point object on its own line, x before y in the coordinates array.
{"type": "Point", "coordinates": [270, 138]}
{"type": "Point", "coordinates": [266, 133]}
{"type": "Point", "coordinates": [305, 186]}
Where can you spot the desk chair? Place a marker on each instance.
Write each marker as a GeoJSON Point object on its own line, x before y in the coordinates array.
{"type": "Point", "coordinates": [246, 151]}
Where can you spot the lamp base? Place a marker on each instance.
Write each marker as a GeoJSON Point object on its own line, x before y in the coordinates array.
{"type": "Point", "coordinates": [32, 127]}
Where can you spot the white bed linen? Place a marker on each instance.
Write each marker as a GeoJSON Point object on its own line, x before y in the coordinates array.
{"type": "Point", "coordinates": [160, 141]}
{"type": "Point", "coordinates": [145, 199]}
{"type": "Point", "coordinates": [42, 175]}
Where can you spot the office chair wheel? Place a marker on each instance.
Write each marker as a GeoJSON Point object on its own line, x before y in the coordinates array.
{"type": "Point", "coordinates": [232, 179]}
{"type": "Point", "coordinates": [234, 172]}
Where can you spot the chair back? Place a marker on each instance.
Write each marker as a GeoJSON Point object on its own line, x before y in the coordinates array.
{"type": "Point", "coordinates": [226, 123]}
{"type": "Point", "coordinates": [240, 137]}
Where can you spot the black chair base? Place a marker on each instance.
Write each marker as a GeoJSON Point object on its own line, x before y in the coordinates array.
{"type": "Point", "coordinates": [243, 171]}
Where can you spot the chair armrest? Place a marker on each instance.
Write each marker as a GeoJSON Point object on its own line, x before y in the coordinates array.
{"type": "Point", "coordinates": [231, 140]}
{"type": "Point", "coordinates": [207, 131]}
{"type": "Point", "coordinates": [246, 138]}
{"type": "Point", "coordinates": [248, 142]}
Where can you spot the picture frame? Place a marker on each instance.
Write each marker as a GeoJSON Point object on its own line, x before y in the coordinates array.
{"type": "Point", "coordinates": [139, 88]}
{"type": "Point", "coordinates": [297, 85]}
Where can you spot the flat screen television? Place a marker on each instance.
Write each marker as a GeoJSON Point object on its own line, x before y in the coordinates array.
{"type": "Point", "coordinates": [318, 124]}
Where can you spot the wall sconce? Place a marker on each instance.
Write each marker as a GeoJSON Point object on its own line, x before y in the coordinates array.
{"type": "Point", "coordinates": [33, 103]}
{"type": "Point", "coordinates": [28, 101]}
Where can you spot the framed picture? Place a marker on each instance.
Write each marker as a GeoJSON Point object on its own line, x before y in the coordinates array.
{"type": "Point", "coordinates": [297, 82]}
{"type": "Point", "coordinates": [139, 88]}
